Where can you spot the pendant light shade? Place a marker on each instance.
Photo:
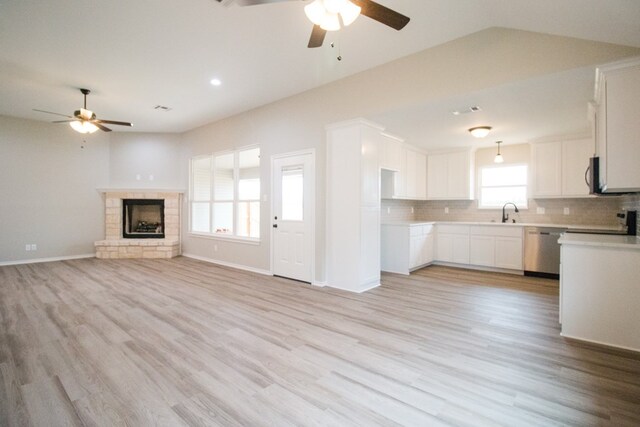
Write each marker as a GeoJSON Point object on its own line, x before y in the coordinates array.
{"type": "Point", "coordinates": [480, 131]}
{"type": "Point", "coordinates": [498, 158]}
{"type": "Point", "coordinates": [83, 126]}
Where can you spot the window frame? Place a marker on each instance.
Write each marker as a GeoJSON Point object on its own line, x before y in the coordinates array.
{"type": "Point", "coordinates": [500, 166]}
{"type": "Point", "coordinates": [212, 199]}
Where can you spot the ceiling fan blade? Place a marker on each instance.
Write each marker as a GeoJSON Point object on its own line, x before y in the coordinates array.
{"type": "Point", "coordinates": [99, 126]}
{"type": "Point", "coordinates": [382, 14]}
{"type": "Point", "coordinates": [317, 36]}
{"type": "Point", "coordinates": [51, 112]}
{"type": "Point", "coordinates": [111, 122]}
{"type": "Point", "coordinates": [64, 121]}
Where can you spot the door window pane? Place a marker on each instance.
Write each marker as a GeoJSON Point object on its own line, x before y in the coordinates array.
{"type": "Point", "coordinates": [223, 218]}
{"type": "Point", "coordinates": [293, 193]}
{"type": "Point", "coordinates": [200, 217]}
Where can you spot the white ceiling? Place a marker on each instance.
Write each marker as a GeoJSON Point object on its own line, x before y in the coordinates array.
{"type": "Point", "coordinates": [135, 55]}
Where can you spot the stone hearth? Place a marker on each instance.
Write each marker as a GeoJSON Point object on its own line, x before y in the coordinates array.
{"type": "Point", "coordinates": [115, 246]}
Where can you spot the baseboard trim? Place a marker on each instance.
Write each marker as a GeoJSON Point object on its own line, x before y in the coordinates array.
{"type": "Point", "coordinates": [229, 264]}
{"type": "Point", "coordinates": [51, 259]}
{"type": "Point", "coordinates": [478, 268]}
{"type": "Point", "coordinates": [600, 343]}
{"type": "Point", "coordinates": [319, 284]}
{"type": "Point", "coordinates": [359, 291]}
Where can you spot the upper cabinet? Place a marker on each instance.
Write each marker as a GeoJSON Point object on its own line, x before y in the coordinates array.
{"type": "Point", "coordinates": [403, 170]}
{"type": "Point", "coordinates": [449, 175]}
{"type": "Point", "coordinates": [559, 168]}
{"type": "Point", "coordinates": [617, 125]}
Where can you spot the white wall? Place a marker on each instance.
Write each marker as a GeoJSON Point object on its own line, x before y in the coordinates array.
{"type": "Point", "coordinates": [479, 61]}
{"type": "Point", "coordinates": [146, 155]}
{"type": "Point", "coordinates": [48, 189]}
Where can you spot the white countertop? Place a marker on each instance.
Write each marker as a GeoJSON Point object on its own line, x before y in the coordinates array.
{"type": "Point", "coordinates": [602, 240]}
{"type": "Point", "coordinates": [506, 224]}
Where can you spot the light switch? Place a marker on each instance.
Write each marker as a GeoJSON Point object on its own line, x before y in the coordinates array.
{"type": "Point", "coordinates": [150, 177]}
{"type": "Point", "coordinates": [540, 210]}
{"type": "Point", "coordinates": [567, 211]}
{"type": "Point", "coordinates": [34, 247]}
{"type": "Point", "coordinates": [446, 209]}
{"type": "Point", "coordinates": [138, 177]}
{"type": "Point", "coordinates": [27, 247]}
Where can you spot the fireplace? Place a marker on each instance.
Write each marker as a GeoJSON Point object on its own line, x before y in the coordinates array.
{"type": "Point", "coordinates": [143, 218]}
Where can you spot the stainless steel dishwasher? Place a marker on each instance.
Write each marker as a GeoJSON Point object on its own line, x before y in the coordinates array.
{"type": "Point", "coordinates": [542, 251]}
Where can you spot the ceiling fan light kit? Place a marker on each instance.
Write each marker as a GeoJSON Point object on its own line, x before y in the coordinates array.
{"type": "Point", "coordinates": [327, 13]}
{"type": "Point", "coordinates": [85, 121]}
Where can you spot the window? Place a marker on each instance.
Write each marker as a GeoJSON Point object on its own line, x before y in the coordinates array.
{"type": "Point", "coordinates": [502, 184]}
{"type": "Point", "coordinates": [225, 194]}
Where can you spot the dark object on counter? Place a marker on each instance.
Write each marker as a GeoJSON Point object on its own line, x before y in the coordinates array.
{"type": "Point", "coordinates": [627, 219]}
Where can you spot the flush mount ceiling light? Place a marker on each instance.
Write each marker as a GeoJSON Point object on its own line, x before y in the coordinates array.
{"type": "Point", "coordinates": [328, 13]}
{"type": "Point", "coordinates": [480, 131]}
{"type": "Point", "coordinates": [216, 82]}
{"type": "Point", "coordinates": [498, 158]}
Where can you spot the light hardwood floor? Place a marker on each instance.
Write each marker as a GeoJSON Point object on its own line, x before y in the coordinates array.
{"type": "Point", "coordinates": [182, 342]}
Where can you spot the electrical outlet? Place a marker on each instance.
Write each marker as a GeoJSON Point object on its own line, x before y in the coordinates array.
{"type": "Point", "coordinates": [566, 211]}
{"type": "Point", "coordinates": [446, 210]}
{"type": "Point", "coordinates": [138, 177]}
{"type": "Point", "coordinates": [215, 248]}
{"type": "Point", "coordinates": [27, 247]}
{"type": "Point", "coordinates": [540, 210]}
{"type": "Point", "coordinates": [34, 247]}
{"type": "Point", "coordinates": [150, 177]}
{"type": "Point", "coordinates": [412, 210]}
{"type": "Point", "coordinates": [388, 209]}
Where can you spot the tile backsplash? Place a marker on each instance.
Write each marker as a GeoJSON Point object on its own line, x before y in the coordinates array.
{"type": "Point", "coordinates": [599, 211]}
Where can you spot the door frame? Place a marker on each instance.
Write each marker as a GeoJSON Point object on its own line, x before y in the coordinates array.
{"type": "Point", "coordinates": [312, 193]}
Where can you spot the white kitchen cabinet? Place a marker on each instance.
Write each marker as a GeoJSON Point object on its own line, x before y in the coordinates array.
{"type": "Point", "coordinates": [599, 289]}
{"type": "Point", "coordinates": [353, 205]}
{"type": "Point", "coordinates": [547, 169]}
{"type": "Point", "coordinates": [482, 250]}
{"type": "Point", "coordinates": [416, 175]}
{"type": "Point", "coordinates": [449, 175]}
{"type": "Point", "coordinates": [575, 161]}
{"type": "Point", "coordinates": [617, 125]}
{"type": "Point", "coordinates": [406, 247]}
{"type": "Point", "coordinates": [452, 243]}
{"type": "Point", "coordinates": [558, 168]}
{"type": "Point", "coordinates": [391, 152]}
{"type": "Point", "coordinates": [497, 246]}
{"type": "Point", "coordinates": [508, 252]}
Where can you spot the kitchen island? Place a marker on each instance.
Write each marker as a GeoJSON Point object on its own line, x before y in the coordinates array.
{"type": "Point", "coordinates": [600, 289]}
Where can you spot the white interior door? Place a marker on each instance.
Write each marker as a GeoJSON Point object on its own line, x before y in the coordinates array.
{"type": "Point", "coordinates": [292, 216]}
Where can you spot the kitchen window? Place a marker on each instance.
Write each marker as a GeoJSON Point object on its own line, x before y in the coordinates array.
{"type": "Point", "coordinates": [502, 184]}
{"type": "Point", "coordinates": [225, 194]}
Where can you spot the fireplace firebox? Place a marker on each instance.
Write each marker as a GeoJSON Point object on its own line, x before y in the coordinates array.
{"type": "Point", "coordinates": [142, 219]}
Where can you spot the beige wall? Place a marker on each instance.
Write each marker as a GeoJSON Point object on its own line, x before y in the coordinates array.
{"type": "Point", "coordinates": [146, 154]}
{"type": "Point", "coordinates": [48, 193]}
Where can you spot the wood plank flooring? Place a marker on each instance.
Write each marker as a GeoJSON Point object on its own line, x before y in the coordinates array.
{"type": "Point", "coordinates": [182, 342]}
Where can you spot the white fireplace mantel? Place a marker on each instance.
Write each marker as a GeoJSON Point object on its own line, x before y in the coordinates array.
{"type": "Point", "coordinates": [142, 190]}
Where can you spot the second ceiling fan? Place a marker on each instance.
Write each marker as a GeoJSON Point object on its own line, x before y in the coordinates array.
{"type": "Point", "coordinates": [331, 15]}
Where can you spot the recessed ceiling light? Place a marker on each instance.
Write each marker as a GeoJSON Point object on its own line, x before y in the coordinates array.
{"type": "Point", "coordinates": [216, 82]}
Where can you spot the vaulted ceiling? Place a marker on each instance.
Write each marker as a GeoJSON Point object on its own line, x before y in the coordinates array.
{"type": "Point", "coordinates": [136, 55]}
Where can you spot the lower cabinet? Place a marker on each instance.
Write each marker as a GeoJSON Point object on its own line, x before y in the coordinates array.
{"type": "Point", "coordinates": [497, 246]}
{"type": "Point", "coordinates": [452, 243]}
{"type": "Point", "coordinates": [406, 247]}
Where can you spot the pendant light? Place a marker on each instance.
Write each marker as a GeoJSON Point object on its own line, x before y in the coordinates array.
{"type": "Point", "coordinates": [498, 158]}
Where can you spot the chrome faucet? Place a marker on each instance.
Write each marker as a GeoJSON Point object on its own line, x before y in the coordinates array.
{"type": "Point", "coordinates": [505, 216]}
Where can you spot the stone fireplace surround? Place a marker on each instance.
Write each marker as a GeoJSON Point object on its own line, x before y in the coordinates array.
{"type": "Point", "coordinates": [115, 246]}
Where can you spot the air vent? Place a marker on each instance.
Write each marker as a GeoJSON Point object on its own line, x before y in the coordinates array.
{"type": "Point", "coordinates": [467, 110]}
{"type": "Point", "coordinates": [161, 108]}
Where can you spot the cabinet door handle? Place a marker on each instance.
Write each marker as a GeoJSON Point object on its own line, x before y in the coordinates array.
{"type": "Point", "coordinates": [586, 176]}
